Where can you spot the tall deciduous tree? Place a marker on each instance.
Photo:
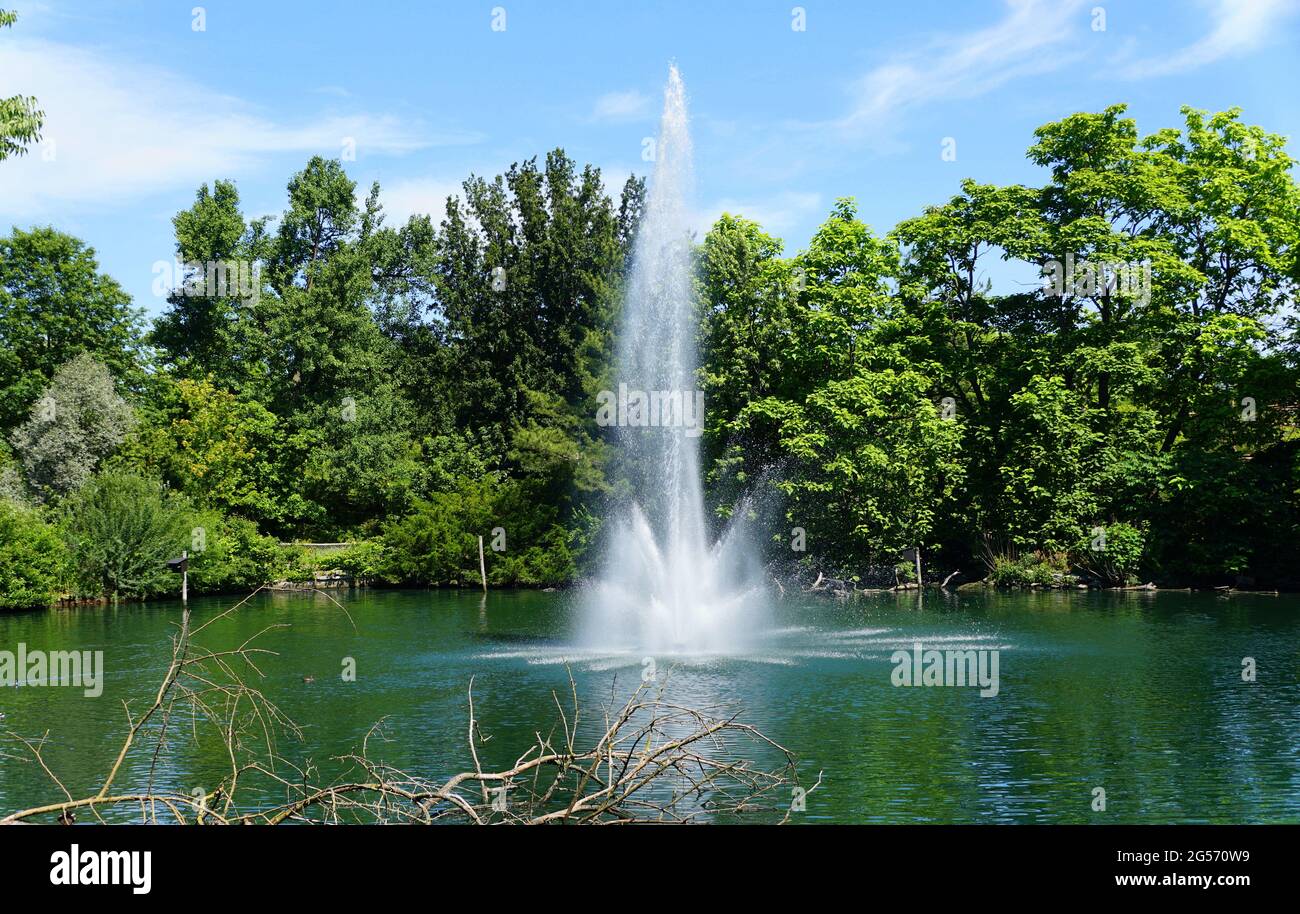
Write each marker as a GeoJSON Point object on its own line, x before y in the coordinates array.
{"type": "Point", "coordinates": [55, 304]}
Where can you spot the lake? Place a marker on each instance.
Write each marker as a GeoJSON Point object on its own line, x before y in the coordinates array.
{"type": "Point", "coordinates": [1138, 693]}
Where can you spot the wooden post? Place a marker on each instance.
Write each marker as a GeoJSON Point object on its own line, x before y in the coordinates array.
{"type": "Point", "coordinates": [482, 568]}
{"type": "Point", "coordinates": [185, 577]}
{"type": "Point", "coordinates": [918, 567]}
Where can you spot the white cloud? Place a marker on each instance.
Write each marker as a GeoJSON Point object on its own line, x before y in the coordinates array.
{"type": "Point", "coordinates": [406, 197]}
{"type": "Point", "coordinates": [616, 107]}
{"type": "Point", "coordinates": [1032, 38]}
{"type": "Point", "coordinates": [1237, 26]}
{"type": "Point", "coordinates": [776, 214]}
{"type": "Point", "coordinates": [117, 130]}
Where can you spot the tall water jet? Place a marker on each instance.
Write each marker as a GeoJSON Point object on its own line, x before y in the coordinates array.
{"type": "Point", "coordinates": [664, 586]}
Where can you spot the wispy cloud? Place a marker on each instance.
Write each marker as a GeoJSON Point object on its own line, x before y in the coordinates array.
{"type": "Point", "coordinates": [1236, 27]}
{"type": "Point", "coordinates": [777, 213]}
{"type": "Point", "coordinates": [616, 107]}
{"type": "Point", "coordinates": [1032, 38]}
{"type": "Point", "coordinates": [116, 130]}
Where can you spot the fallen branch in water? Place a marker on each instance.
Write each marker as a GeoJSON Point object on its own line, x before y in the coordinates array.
{"type": "Point", "coordinates": [648, 760]}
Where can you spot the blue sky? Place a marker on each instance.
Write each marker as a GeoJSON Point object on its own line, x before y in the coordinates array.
{"type": "Point", "coordinates": [142, 108]}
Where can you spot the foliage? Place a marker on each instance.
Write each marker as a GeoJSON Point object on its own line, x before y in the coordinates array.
{"type": "Point", "coordinates": [437, 543]}
{"type": "Point", "coordinates": [78, 421]}
{"type": "Point", "coordinates": [1029, 568]}
{"type": "Point", "coordinates": [33, 561]}
{"type": "Point", "coordinates": [54, 306]}
{"type": "Point", "coordinates": [120, 530]}
{"type": "Point", "coordinates": [20, 119]}
{"type": "Point", "coordinates": [366, 560]}
{"type": "Point", "coordinates": [866, 458]}
{"type": "Point", "coordinates": [414, 386]}
{"type": "Point", "coordinates": [227, 553]}
{"type": "Point", "coordinates": [1112, 554]}
{"type": "Point", "coordinates": [217, 447]}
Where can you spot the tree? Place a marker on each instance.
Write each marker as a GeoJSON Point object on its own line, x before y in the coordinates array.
{"type": "Point", "coordinates": [1092, 403]}
{"type": "Point", "coordinates": [850, 430]}
{"type": "Point", "coordinates": [527, 282]}
{"type": "Point", "coordinates": [216, 329]}
{"type": "Point", "coordinates": [750, 312]}
{"type": "Point", "coordinates": [55, 304]}
{"type": "Point", "coordinates": [220, 449]}
{"type": "Point", "coordinates": [20, 119]}
{"type": "Point", "coordinates": [77, 422]}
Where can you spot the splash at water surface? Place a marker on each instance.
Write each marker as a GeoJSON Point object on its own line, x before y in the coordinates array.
{"type": "Point", "coordinates": [665, 586]}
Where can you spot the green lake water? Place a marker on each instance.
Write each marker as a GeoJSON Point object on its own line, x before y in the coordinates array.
{"type": "Point", "coordinates": [1138, 693]}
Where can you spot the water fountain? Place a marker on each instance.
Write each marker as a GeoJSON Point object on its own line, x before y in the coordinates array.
{"type": "Point", "coordinates": [665, 587]}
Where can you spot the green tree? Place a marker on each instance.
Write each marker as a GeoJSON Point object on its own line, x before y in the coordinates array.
{"type": "Point", "coordinates": [850, 432]}
{"type": "Point", "coordinates": [750, 312]}
{"type": "Point", "coordinates": [77, 422]}
{"type": "Point", "coordinates": [211, 330]}
{"type": "Point", "coordinates": [220, 449]}
{"type": "Point", "coordinates": [55, 304]}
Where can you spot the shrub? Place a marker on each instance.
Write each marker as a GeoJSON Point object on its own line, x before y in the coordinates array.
{"type": "Point", "coordinates": [1027, 569]}
{"type": "Point", "coordinates": [228, 553]}
{"type": "Point", "coordinates": [367, 560]}
{"type": "Point", "coordinates": [33, 560]}
{"type": "Point", "coordinates": [299, 563]}
{"type": "Point", "coordinates": [120, 530]}
{"type": "Point", "coordinates": [437, 543]}
{"type": "Point", "coordinates": [905, 572]}
{"type": "Point", "coordinates": [1112, 555]}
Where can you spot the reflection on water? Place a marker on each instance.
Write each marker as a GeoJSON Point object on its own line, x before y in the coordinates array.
{"type": "Point", "coordinates": [1138, 693]}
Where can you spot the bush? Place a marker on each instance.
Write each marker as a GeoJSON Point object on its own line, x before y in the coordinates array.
{"type": "Point", "coordinates": [33, 560]}
{"type": "Point", "coordinates": [228, 553]}
{"type": "Point", "coordinates": [120, 530]}
{"type": "Point", "coordinates": [367, 560]}
{"type": "Point", "coordinates": [1112, 555]}
{"type": "Point", "coordinates": [299, 563]}
{"type": "Point", "coordinates": [438, 542]}
{"type": "Point", "coordinates": [1028, 569]}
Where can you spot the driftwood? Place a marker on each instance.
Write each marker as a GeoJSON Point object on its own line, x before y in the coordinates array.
{"type": "Point", "coordinates": [646, 760]}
